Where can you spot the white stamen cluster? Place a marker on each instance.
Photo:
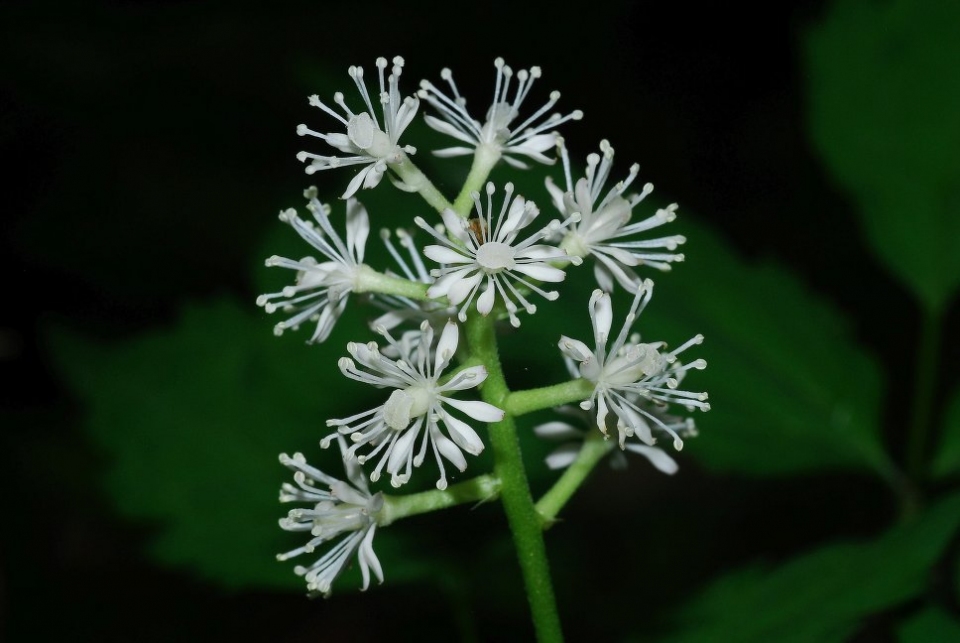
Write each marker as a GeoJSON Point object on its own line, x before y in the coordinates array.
{"type": "Point", "coordinates": [629, 375]}
{"type": "Point", "coordinates": [529, 138]}
{"type": "Point", "coordinates": [416, 408]}
{"type": "Point", "coordinates": [604, 229]}
{"type": "Point", "coordinates": [365, 141]}
{"type": "Point", "coordinates": [340, 509]}
{"type": "Point", "coordinates": [321, 288]}
{"type": "Point", "coordinates": [484, 253]}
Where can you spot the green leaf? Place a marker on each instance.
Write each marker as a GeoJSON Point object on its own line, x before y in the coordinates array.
{"type": "Point", "coordinates": [947, 459]}
{"type": "Point", "coordinates": [823, 595]}
{"type": "Point", "coordinates": [789, 389]}
{"type": "Point", "coordinates": [932, 625]}
{"type": "Point", "coordinates": [884, 97]}
{"type": "Point", "coordinates": [192, 417]}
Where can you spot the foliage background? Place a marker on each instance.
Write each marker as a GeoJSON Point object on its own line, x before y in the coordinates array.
{"type": "Point", "coordinates": [148, 147]}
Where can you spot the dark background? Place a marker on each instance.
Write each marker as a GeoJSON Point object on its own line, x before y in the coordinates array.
{"type": "Point", "coordinates": [147, 149]}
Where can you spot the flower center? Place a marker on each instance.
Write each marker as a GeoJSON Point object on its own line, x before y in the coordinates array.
{"type": "Point", "coordinates": [404, 405]}
{"type": "Point", "coordinates": [495, 257]}
{"type": "Point", "coordinates": [364, 133]}
{"type": "Point", "coordinates": [499, 116]}
{"type": "Point", "coordinates": [635, 362]}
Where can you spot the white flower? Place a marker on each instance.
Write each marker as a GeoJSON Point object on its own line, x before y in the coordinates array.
{"type": "Point", "coordinates": [417, 405]}
{"type": "Point", "coordinates": [340, 509]}
{"type": "Point", "coordinates": [321, 289]}
{"type": "Point", "coordinates": [484, 252]}
{"type": "Point", "coordinates": [604, 226]}
{"type": "Point", "coordinates": [366, 142]}
{"type": "Point", "coordinates": [629, 375]}
{"type": "Point", "coordinates": [572, 436]}
{"type": "Point", "coordinates": [529, 138]}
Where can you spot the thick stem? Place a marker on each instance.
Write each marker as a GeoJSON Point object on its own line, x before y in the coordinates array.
{"type": "Point", "coordinates": [479, 489]}
{"type": "Point", "coordinates": [925, 378]}
{"type": "Point", "coordinates": [594, 448]}
{"type": "Point", "coordinates": [418, 182]}
{"type": "Point", "coordinates": [485, 157]}
{"type": "Point", "coordinates": [525, 523]}
{"type": "Point", "coordinates": [536, 399]}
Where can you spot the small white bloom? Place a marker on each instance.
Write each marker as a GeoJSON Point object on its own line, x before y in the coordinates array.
{"type": "Point", "coordinates": [339, 509]}
{"type": "Point", "coordinates": [321, 289]}
{"type": "Point", "coordinates": [529, 138]}
{"type": "Point", "coordinates": [629, 375]}
{"type": "Point", "coordinates": [486, 253]}
{"type": "Point", "coordinates": [604, 227]}
{"type": "Point", "coordinates": [571, 438]}
{"type": "Point", "coordinates": [417, 405]}
{"type": "Point", "coordinates": [366, 141]}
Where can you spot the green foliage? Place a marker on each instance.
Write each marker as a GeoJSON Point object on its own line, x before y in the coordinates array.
{"type": "Point", "coordinates": [947, 459]}
{"type": "Point", "coordinates": [192, 419]}
{"type": "Point", "coordinates": [884, 97]}
{"type": "Point", "coordinates": [932, 625]}
{"type": "Point", "coordinates": [789, 390]}
{"type": "Point", "coordinates": [823, 595]}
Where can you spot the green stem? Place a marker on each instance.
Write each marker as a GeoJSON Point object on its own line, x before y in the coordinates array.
{"type": "Point", "coordinates": [372, 281]}
{"type": "Point", "coordinates": [593, 450]}
{"type": "Point", "coordinates": [485, 157]}
{"type": "Point", "coordinates": [535, 399]}
{"type": "Point", "coordinates": [479, 489]}
{"type": "Point", "coordinates": [522, 516]}
{"type": "Point", "coordinates": [418, 182]}
{"type": "Point", "coordinates": [925, 377]}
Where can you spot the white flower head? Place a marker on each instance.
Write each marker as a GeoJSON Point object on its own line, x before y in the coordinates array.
{"type": "Point", "coordinates": [416, 408]}
{"type": "Point", "coordinates": [571, 437]}
{"type": "Point", "coordinates": [604, 230]}
{"type": "Point", "coordinates": [367, 140]}
{"type": "Point", "coordinates": [501, 128]}
{"type": "Point", "coordinates": [321, 289]}
{"type": "Point", "coordinates": [339, 509]}
{"type": "Point", "coordinates": [485, 252]}
{"type": "Point", "coordinates": [628, 376]}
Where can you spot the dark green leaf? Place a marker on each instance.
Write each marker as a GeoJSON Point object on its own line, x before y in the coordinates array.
{"type": "Point", "coordinates": [884, 97]}
{"type": "Point", "coordinates": [789, 390]}
{"type": "Point", "coordinates": [192, 418]}
{"type": "Point", "coordinates": [947, 459]}
{"type": "Point", "coordinates": [932, 625]}
{"type": "Point", "coordinates": [824, 595]}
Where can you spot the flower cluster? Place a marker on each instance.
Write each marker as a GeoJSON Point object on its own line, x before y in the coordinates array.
{"type": "Point", "coordinates": [341, 509]}
{"type": "Point", "coordinates": [486, 258]}
{"type": "Point", "coordinates": [631, 379]}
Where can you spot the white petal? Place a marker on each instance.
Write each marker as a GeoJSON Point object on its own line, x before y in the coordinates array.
{"type": "Point", "coordinates": [557, 430]}
{"type": "Point", "coordinates": [463, 285]}
{"type": "Point", "coordinates": [356, 182]}
{"type": "Point", "coordinates": [358, 228]}
{"type": "Point", "coordinates": [463, 434]}
{"type": "Point", "coordinates": [563, 456]}
{"type": "Point", "coordinates": [480, 411]}
{"type": "Point", "coordinates": [447, 345]}
{"type": "Point", "coordinates": [486, 298]}
{"type": "Point", "coordinates": [601, 314]}
{"type": "Point", "coordinates": [657, 457]}
{"type": "Point", "coordinates": [446, 255]}
{"type": "Point", "coordinates": [450, 451]}
{"type": "Point", "coordinates": [541, 272]}
{"type": "Point", "coordinates": [575, 349]}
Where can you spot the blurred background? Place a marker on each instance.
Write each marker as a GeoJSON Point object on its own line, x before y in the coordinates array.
{"type": "Point", "coordinates": [813, 149]}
